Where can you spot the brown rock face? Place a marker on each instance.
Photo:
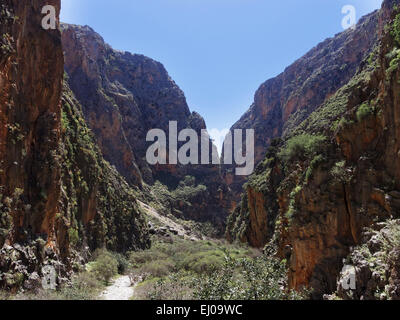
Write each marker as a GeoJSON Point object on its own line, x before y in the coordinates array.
{"type": "Point", "coordinates": [123, 96]}
{"type": "Point", "coordinates": [58, 197]}
{"type": "Point", "coordinates": [282, 103]}
{"type": "Point", "coordinates": [31, 69]}
{"type": "Point", "coordinates": [323, 199]}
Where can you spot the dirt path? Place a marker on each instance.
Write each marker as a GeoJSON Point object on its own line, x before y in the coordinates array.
{"type": "Point", "coordinates": [121, 289]}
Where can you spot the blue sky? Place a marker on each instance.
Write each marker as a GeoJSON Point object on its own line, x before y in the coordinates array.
{"type": "Point", "coordinates": [217, 51]}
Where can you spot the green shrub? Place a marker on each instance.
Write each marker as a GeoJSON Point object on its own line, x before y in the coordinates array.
{"type": "Point", "coordinates": [340, 173]}
{"type": "Point", "coordinates": [244, 279]}
{"type": "Point", "coordinates": [315, 162]}
{"type": "Point", "coordinates": [292, 203]}
{"type": "Point", "coordinates": [84, 286]}
{"type": "Point", "coordinates": [342, 123]}
{"type": "Point", "coordinates": [208, 270]}
{"type": "Point", "coordinates": [173, 287]}
{"type": "Point", "coordinates": [105, 266]}
{"type": "Point", "coordinates": [363, 111]}
{"type": "Point", "coordinates": [183, 255]}
{"type": "Point", "coordinates": [138, 258]}
{"type": "Point", "coordinates": [123, 263]}
{"type": "Point", "coordinates": [395, 32]}
{"type": "Point", "coordinates": [73, 236]}
{"type": "Point", "coordinates": [157, 268]}
{"type": "Point", "coordinates": [302, 146]}
{"type": "Point", "coordinates": [204, 262]}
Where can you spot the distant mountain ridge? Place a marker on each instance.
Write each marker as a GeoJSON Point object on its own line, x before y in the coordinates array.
{"type": "Point", "coordinates": [125, 95]}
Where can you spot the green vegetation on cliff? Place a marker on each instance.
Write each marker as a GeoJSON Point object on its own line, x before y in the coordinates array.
{"type": "Point", "coordinates": [99, 207]}
{"type": "Point", "coordinates": [335, 174]}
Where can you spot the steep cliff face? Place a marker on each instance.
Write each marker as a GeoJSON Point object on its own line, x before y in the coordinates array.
{"type": "Point", "coordinates": [334, 174]}
{"type": "Point", "coordinates": [99, 207]}
{"type": "Point", "coordinates": [123, 96]}
{"type": "Point", "coordinates": [281, 103]}
{"type": "Point", "coordinates": [31, 69]}
{"type": "Point", "coordinates": [58, 196]}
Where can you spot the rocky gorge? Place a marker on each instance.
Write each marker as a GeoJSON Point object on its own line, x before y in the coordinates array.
{"type": "Point", "coordinates": [75, 184]}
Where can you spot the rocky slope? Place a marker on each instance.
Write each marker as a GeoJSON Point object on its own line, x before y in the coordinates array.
{"type": "Point", "coordinates": [123, 96]}
{"type": "Point", "coordinates": [281, 103]}
{"type": "Point", "coordinates": [59, 199]}
{"type": "Point", "coordinates": [375, 265]}
{"type": "Point", "coordinates": [333, 174]}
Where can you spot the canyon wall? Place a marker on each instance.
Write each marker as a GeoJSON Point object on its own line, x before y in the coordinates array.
{"type": "Point", "coordinates": [31, 70]}
{"type": "Point", "coordinates": [59, 199]}
{"type": "Point", "coordinates": [283, 102]}
{"type": "Point", "coordinates": [333, 174]}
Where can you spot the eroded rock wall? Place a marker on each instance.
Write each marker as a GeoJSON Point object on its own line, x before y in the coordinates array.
{"type": "Point", "coordinates": [283, 102]}
{"type": "Point", "coordinates": [334, 174]}
{"type": "Point", "coordinates": [59, 199]}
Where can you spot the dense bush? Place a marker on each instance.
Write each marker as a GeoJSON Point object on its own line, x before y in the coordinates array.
{"type": "Point", "coordinates": [302, 146]}
{"type": "Point", "coordinates": [395, 32]}
{"type": "Point", "coordinates": [187, 191]}
{"type": "Point", "coordinates": [363, 111]}
{"type": "Point", "coordinates": [258, 278]}
{"type": "Point", "coordinates": [315, 162]}
{"type": "Point", "coordinates": [183, 255]}
{"type": "Point", "coordinates": [208, 270]}
{"type": "Point", "coordinates": [262, 278]}
{"type": "Point", "coordinates": [105, 266]}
